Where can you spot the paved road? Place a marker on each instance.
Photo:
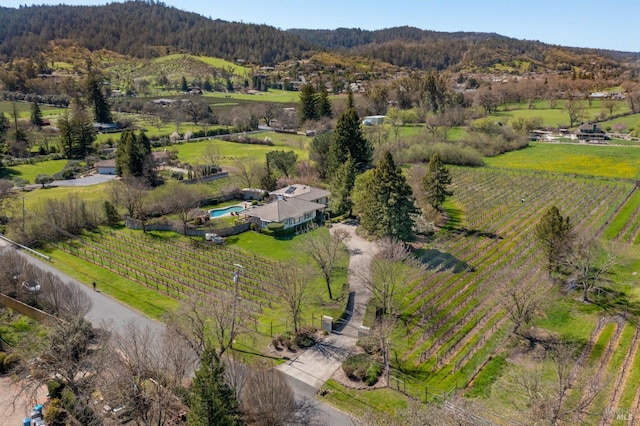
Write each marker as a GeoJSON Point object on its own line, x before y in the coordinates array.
{"type": "Point", "coordinates": [84, 181]}
{"type": "Point", "coordinates": [104, 310]}
{"type": "Point", "coordinates": [109, 311]}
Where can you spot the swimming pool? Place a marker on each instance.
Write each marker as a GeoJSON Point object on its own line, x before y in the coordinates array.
{"type": "Point", "coordinates": [221, 212]}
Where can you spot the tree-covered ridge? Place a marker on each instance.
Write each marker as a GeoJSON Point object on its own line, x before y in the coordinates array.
{"type": "Point", "coordinates": [432, 50]}
{"type": "Point", "coordinates": [142, 29]}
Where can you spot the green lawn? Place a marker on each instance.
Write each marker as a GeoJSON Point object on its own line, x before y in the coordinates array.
{"type": "Point", "coordinates": [602, 161]}
{"type": "Point", "coordinates": [231, 151]}
{"type": "Point", "coordinates": [30, 171]}
{"type": "Point", "coordinates": [552, 117]}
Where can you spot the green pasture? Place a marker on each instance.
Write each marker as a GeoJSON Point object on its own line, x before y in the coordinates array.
{"type": "Point", "coordinates": [272, 95]}
{"type": "Point", "coordinates": [553, 117]}
{"type": "Point", "coordinates": [30, 171]}
{"type": "Point", "coordinates": [621, 162]}
{"type": "Point", "coordinates": [231, 151]}
{"type": "Point", "coordinates": [213, 62]}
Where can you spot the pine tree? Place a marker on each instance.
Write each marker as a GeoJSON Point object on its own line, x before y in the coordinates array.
{"type": "Point", "coordinates": [384, 201]}
{"type": "Point", "coordinates": [308, 103]}
{"type": "Point", "coordinates": [133, 154]}
{"type": "Point", "coordinates": [268, 181]}
{"type": "Point", "coordinates": [102, 113]}
{"type": "Point", "coordinates": [36, 115]}
{"type": "Point", "coordinates": [341, 187]}
{"type": "Point", "coordinates": [348, 139]}
{"type": "Point", "coordinates": [323, 103]}
{"type": "Point", "coordinates": [83, 133]}
{"type": "Point", "coordinates": [211, 401]}
{"type": "Point", "coordinates": [435, 182]}
{"type": "Point", "coordinates": [183, 85]}
{"type": "Point", "coordinates": [555, 237]}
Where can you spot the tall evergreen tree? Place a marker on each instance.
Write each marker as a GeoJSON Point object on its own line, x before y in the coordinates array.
{"type": "Point", "coordinates": [555, 237]}
{"type": "Point", "coordinates": [319, 152]}
{"type": "Point", "coordinates": [65, 134]}
{"type": "Point", "coordinates": [83, 133]}
{"type": "Point", "coordinates": [101, 111]}
{"type": "Point", "coordinates": [268, 181]}
{"type": "Point", "coordinates": [308, 103]}
{"type": "Point", "coordinates": [36, 115]}
{"type": "Point", "coordinates": [435, 182]}
{"type": "Point", "coordinates": [348, 139]}
{"type": "Point", "coordinates": [212, 402]}
{"type": "Point", "coordinates": [341, 187]}
{"type": "Point", "coordinates": [384, 201]}
{"type": "Point", "coordinates": [323, 103]}
{"type": "Point", "coordinates": [133, 154]}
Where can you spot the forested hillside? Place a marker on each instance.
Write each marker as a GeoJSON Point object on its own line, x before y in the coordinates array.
{"type": "Point", "coordinates": [142, 29]}
{"type": "Point", "coordinates": [429, 50]}
{"type": "Point", "coordinates": [149, 29]}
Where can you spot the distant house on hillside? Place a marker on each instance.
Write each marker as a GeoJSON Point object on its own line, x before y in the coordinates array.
{"type": "Point", "coordinates": [591, 132]}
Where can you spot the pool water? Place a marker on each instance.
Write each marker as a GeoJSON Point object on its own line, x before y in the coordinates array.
{"type": "Point", "coordinates": [221, 212]}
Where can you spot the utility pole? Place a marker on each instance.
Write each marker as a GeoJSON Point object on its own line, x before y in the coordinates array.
{"type": "Point", "coordinates": [236, 279]}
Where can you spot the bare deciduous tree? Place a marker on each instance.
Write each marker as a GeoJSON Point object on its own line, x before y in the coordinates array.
{"type": "Point", "coordinates": [536, 394]}
{"type": "Point", "coordinates": [326, 250]}
{"type": "Point", "coordinates": [137, 378]}
{"type": "Point", "coordinates": [269, 400]}
{"type": "Point", "coordinates": [64, 299]}
{"type": "Point", "coordinates": [293, 283]}
{"type": "Point", "coordinates": [182, 200]}
{"type": "Point", "coordinates": [589, 263]}
{"type": "Point", "coordinates": [199, 322]}
{"type": "Point", "coordinates": [392, 267]}
{"type": "Point", "coordinates": [13, 266]}
{"type": "Point", "coordinates": [522, 302]}
{"type": "Point", "coordinates": [249, 171]}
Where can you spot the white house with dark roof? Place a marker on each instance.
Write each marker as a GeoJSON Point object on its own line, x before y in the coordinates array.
{"type": "Point", "coordinates": [304, 192]}
{"type": "Point", "coordinates": [293, 205]}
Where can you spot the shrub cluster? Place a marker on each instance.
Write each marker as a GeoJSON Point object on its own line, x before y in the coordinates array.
{"type": "Point", "coordinates": [55, 100]}
{"type": "Point", "coordinates": [362, 367]}
{"type": "Point", "coordinates": [8, 361]}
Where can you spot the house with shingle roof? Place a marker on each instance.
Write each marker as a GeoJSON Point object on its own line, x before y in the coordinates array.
{"type": "Point", "coordinates": [293, 205]}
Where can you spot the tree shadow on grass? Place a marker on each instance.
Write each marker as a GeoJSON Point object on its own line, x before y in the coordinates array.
{"type": "Point", "coordinates": [436, 260]}
{"type": "Point", "coordinates": [616, 302]}
{"type": "Point", "coordinates": [9, 173]}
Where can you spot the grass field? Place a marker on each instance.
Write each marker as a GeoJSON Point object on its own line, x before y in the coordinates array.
{"type": "Point", "coordinates": [30, 171]}
{"type": "Point", "coordinates": [230, 151]}
{"type": "Point", "coordinates": [602, 161]}
{"type": "Point", "coordinates": [553, 117]}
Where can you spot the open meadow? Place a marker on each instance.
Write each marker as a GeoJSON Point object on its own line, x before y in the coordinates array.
{"type": "Point", "coordinates": [580, 159]}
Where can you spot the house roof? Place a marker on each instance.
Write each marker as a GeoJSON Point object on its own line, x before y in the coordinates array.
{"type": "Point", "coordinates": [590, 128]}
{"type": "Point", "coordinates": [106, 163]}
{"type": "Point", "coordinates": [302, 192]}
{"type": "Point", "coordinates": [283, 209]}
